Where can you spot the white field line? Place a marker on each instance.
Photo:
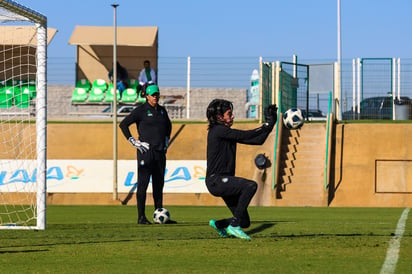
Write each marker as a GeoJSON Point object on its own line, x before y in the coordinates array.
{"type": "Point", "coordinates": [392, 254]}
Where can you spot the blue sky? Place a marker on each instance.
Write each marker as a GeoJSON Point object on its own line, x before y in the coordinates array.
{"type": "Point", "coordinates": [230, 28]}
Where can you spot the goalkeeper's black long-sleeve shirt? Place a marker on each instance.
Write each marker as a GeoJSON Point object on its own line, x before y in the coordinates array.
{"type": "Point", "coordinates": [221, 146]}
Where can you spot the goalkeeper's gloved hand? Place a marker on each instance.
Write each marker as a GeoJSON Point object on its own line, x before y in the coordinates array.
{"type": "Point", "coordinates": [271, 114]}
{"type": "Point", "coordinates": [143, 147]}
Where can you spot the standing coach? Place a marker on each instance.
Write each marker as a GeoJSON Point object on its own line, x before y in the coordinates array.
{"type": "Point", "coordinates": [154, 128]}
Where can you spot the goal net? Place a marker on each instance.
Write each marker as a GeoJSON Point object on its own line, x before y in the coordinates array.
{"type": "Point", "coordinates": [23, 40]}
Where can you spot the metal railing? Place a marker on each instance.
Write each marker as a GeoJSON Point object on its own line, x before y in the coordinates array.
{"type": "Point", "coordinates": [235, 72]}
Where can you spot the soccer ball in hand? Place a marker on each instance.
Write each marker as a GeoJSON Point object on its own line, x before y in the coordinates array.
{"type": "Point", "coordinates": [293, 118]}
{"type": "Point", "coordinates": [161, 216]}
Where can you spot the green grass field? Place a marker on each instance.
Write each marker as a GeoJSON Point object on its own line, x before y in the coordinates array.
{"type": "Point", "coordinates": [106, 239]}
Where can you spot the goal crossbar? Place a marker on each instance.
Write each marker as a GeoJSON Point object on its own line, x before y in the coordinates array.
{"type": "Point", "coordinates": [23, 11]}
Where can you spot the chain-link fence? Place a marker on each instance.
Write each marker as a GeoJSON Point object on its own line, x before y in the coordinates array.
{"type": "Point", "coordinates": [378, 78]}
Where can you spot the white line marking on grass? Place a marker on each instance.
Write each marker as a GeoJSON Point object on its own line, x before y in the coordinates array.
{"type": "Point", "coordinates": [392, 254]}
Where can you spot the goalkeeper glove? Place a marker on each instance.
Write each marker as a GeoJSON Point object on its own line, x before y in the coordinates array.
{"type": "Point", "coordinates": [143, 147]}
{"type": "Point", "coordinates": [271, 115]}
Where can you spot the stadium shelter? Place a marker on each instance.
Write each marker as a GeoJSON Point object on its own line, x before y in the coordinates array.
{"type": "Point", "coordinates": [22, 40]}
{"type": "Point", "coordinates": [94, 50]}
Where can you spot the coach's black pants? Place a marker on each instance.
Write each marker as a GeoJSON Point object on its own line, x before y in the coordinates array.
{"type": "Point", "coordinates": [150, 164]}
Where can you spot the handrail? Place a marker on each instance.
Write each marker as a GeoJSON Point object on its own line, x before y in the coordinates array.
{"type": "Point", "coordinates": [275, 163]}
{"type": "Point", "coordinates": [328, 137]}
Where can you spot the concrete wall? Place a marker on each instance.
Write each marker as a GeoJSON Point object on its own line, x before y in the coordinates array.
{"type": "Point", "coordinates": [189, 144]}
{"type": "Point", "coordinates": [372, 163]}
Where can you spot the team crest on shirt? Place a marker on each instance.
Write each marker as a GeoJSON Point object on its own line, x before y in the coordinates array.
{"type": "Point", "coordinates": [149, 113]}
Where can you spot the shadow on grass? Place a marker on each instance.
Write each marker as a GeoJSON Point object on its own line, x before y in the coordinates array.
{"type": "Point", "coordinates": [314, 235]}
{"type": "Point", "coordinates": [264, 225]}
{"type": "Point", "coordinates": [61, 244]}
{"type": "Point", "coordinates": [260, 228]}
{"type": "Point", "coordinates": [23, 251]}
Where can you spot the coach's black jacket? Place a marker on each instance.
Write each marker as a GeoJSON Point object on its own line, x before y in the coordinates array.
{"type": "Point", "coordinates": [153, 125]}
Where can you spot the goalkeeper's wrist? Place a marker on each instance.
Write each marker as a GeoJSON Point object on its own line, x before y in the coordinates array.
{"type": "Point", "coordinates": [268, 125]}
{"type": "Point", "coordinates": [270, 121]}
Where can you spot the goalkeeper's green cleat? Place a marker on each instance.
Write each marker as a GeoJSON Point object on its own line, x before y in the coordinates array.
{"type": "Point", "coordinates": [221, 231]}
{"type": "Point", "coordinates": [237, 232]}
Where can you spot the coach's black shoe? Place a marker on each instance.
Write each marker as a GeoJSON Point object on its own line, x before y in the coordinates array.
{"type": "Point", "coordinates": [170, 222]}
{"type": "Point", "coordinates": [143, 221]}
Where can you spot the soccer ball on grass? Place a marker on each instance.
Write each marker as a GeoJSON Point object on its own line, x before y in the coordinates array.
{"type": "Point", "coordinates": [161, 216]}
{"type": "Point", "coordinates": [293, 118]}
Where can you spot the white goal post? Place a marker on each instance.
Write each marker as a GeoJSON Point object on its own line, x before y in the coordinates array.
{"type": "Point", "coordinates": [23, 117]}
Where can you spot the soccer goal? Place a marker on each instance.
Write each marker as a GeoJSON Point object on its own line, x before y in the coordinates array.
{"type": "Point", "coordinates": [23, 120]}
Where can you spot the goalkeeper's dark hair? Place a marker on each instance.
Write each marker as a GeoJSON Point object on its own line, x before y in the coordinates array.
{"type": "Point", "coordinates": [215, 108]}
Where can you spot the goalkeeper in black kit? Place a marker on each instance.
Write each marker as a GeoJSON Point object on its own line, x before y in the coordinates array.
{"type": "Point", "coordinates": [154, 128]}
{"type": "Point", "coordinates": [221, 181]}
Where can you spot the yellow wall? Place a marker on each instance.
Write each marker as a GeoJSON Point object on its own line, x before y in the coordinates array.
{"type": "Point", "coordinates": [367, 159]}
{"type": "Point", "coordinates": [95, 141]}
{"type": "Point", "coordinates": [373, 158]}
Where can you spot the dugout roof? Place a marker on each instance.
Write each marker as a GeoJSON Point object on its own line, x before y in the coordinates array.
{"type": "Point", "coordinates": [94, 50]}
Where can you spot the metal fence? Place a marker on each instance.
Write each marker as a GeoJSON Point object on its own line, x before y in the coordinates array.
{"type": "Point", "coordinates": [220, 72]}
{"type": "Point", "coordinates": [377, 88]}
{"type": "Point", "coordinates": [377, 78]}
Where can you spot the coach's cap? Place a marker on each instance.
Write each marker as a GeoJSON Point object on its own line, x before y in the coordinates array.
{"type": "Point", "coordinates": [152, 89]}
